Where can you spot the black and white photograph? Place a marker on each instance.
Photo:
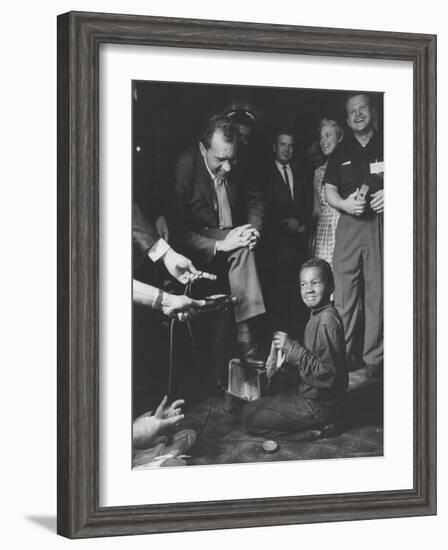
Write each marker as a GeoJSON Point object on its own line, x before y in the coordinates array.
{"type": "Point", "coordinates": [197, 297]}
{"type": "Point", "coordinates": [257, 274]}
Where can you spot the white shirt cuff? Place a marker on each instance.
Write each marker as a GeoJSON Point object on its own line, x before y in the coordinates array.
{"type": "Point", "coordinates": [158, 249]}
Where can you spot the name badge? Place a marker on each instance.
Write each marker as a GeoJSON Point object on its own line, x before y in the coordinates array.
{"type": "Point", "coordinates": [346, 163]}
{"type": "Point", "coordinates": [376, 167]}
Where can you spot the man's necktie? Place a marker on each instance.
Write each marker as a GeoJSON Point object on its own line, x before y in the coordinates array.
{"type": "Point", "coordinates": [224, 212]}
{"type": "Point", "coordinates": [288, 185]}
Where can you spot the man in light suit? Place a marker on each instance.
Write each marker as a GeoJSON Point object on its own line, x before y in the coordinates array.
{"type": "Point", "coordinates": [219, 223]}
{"type": "Point", "coordinates": [284, 246]}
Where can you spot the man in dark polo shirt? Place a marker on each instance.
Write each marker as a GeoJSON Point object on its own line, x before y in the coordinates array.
{"type": "Point", "coordinates": [354, 185]}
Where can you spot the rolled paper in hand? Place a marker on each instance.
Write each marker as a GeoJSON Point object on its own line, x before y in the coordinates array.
{"type": "Point", "coordinates": [271, 363]}
{"type": "Point", "coordinates": [280, 358]}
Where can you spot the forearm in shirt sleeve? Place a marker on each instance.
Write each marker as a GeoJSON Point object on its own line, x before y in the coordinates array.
{"type": "Point", "coordinates": [333, 197]}
{"type": "Point", "coordinates": [319, 367]}
{"type": "Point", "coordinates": [144, 235]}
{"type": "Point", "coordinates": [158, 250]}
{"type": "Point", "coordinates": [147, 295]}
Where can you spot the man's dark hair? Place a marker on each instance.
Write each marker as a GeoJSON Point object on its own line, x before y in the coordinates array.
{"type": "Point", "coordinates": [218, 123]}
{"type": "Point", "coordinates": [282, 131]}
{"type": "Point", "coordinates": [325, 269]}
{"type": "Point", "coordinates": [356, 93]}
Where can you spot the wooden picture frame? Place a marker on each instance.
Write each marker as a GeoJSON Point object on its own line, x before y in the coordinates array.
{"type": "Point", "coordinates": [79, 38]}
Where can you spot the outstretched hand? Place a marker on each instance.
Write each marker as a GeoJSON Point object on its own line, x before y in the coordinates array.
{"type": "Point", "coordinates": [182, 268]}
{"type": "Point", "coordinates": [148, 426]}
{"type": "Point", "coordinates": [169, 415]}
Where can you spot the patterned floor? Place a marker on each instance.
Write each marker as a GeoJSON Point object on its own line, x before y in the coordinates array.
{"type": "Point", "coordinates": [222, 440]}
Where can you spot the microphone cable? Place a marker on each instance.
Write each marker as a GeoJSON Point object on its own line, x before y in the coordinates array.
{"type": "Point", "coordinates": [173, 322]}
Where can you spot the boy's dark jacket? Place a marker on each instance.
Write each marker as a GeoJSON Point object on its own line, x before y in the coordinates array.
{"type": "Point", "coordinates": [321, 361]}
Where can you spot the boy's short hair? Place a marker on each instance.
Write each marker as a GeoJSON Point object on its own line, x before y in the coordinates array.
{"type": "Point", "coordinates": [325, 268]}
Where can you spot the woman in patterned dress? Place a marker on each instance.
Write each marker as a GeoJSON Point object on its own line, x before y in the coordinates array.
{"type": "Point", "coordinates": [325, 216]}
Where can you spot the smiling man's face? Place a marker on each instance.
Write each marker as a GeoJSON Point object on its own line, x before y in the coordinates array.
{"type": "Point", "coordinates": [283, 148]}
{"type": "Point", "coordinates": [359, 114]}
{"type": "Point", "coordinates": [221, 155]}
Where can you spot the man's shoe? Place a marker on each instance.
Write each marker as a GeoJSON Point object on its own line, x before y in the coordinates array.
{"type": "Point", "coordinates": [246, 348]}
{"type": "Point", "coordinates": [252, 358]}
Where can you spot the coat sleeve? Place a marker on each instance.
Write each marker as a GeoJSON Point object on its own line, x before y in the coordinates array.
{"type": "Point", "coordinates": [255, 205]}
{"type": "Point", "coordinates": [194, 244]}
{"type": "Point", "coordinates": [144, 236]}
{"type": "Point", "coordinates": [320, 367]}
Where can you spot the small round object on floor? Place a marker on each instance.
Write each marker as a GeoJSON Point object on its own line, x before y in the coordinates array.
{"type": "Point", "coordinates": [270, 446]}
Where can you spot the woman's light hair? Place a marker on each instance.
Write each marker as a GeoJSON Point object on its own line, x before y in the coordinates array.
{"type": "Point", "coordinates": [331, 122]}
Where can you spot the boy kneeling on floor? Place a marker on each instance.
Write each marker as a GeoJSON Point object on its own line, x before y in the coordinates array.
{"type": "Point", "coordinates": [314, 401]}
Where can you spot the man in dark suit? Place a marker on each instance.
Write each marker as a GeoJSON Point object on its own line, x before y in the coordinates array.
{"type": "Point", "coordinates": [151, 305]}
{"type": "Point", "coordinates": [284, 245]}
{"type": "Point", "coordinates": [220, 219]}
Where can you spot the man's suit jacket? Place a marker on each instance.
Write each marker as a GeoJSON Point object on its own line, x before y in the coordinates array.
{"type": "Point", "coordinates": [280, 206]}
{"type": "Point", "coordinates": [197, 206]}
{"type": "Point", "coordinates": [144, 235]}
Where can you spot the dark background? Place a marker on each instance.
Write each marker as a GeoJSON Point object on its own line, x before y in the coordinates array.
{"type": "Point", "coordinates": [169, 117]}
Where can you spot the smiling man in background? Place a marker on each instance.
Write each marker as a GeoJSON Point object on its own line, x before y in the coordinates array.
{"type": "Point", "coordinates": [284, 243]}
{"type": "Point", "coordinates": [354, 186]}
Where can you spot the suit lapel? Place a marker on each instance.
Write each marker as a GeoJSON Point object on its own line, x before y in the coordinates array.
{"type": "Point", "coordinates": [204, 183]}
{"type": "Point", "coordinates": [231, 191]}
{"type": "Point", "coordinates": [282, 184]}
{"type": "Point", "coordinates": [297, 186]}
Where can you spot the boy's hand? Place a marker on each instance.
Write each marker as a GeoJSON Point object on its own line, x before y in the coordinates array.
{"type": "Point", "coordinates": [282, 341]}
